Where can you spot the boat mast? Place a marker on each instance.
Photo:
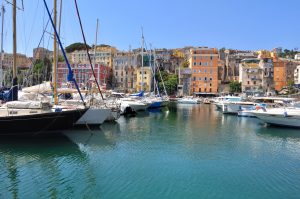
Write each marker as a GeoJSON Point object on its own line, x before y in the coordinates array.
{"type": "Point", "coordinates": [142, 83]}
{"type": "Point", "coordinates": [15, 79]}
{"type": "Point", "coordinates": [150, 65]}
{"type": "Point", "coordinates": [1, 61]}
{"type": "Point", "coordinates": [54, 78]}
{"type": "Point", "coordinates": [96, 37]}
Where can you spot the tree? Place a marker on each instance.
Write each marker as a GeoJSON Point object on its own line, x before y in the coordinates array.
{"type": "Point", "coordinates": [290, 84]}
{"type": "Point", "coordinates": [76, 46]}
{"type": "Point", "coordinates": [170, 82]}
{"type": "Point", "coordinates": [235, 87]}
{"type": "Point", "coordinates": [185, 64]}
{"type": "Point", "coordinates": [41, 71]}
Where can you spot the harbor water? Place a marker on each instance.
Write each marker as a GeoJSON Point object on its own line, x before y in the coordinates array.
{"type": "Point", "coordinates": [184, 151]}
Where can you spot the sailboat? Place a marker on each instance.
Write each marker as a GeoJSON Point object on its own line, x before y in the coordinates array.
{"type": "Point", "coordinates": [34, 117]}
{"type": "Point", "coordinates": [97, 113]}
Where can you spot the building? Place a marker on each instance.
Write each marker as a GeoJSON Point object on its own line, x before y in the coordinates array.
{"type": "Point", "coordinates": [42, 53]}
{"type": "Point", "coordinates": [143, 78]}
{"type": "Point", "coordinates": [283, 72]}
{"type": "Point", "coordinates": [204, 64]}
{"type": "Point", "coordinates": [81, 57]}
{"type": "Point", "coordinates": [22, 61]}
{"type": "Point", "coordinates": [83, 73]}
{"type": "Point", "coordinates": [297, 56]}
{"type": "Point", "coordinates": [124, 70]}
{"type": "Point", "coordinates": [104, 55]}
{"type": "Point", "coordinates": [184, 81]}
{"type": "Point", "coordinates": [250, 75]}
{"type": "Point", "coordinates": [297, 76]}
{"type": "Point", "coordinates": [230, 70]}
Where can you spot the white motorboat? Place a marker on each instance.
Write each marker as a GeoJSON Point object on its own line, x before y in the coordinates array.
{"type": "Point", "coordinates": [188, 100]}
{"type": "Point", "coordinates": [289, 117]}
{"type": "Point", "coordinates": [218, 101]}
{"type": "Point", "coordinates": [235, 107]}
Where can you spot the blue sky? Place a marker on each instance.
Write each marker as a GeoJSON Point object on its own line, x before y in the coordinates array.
{"type": "Point", "coordinates": [237, 24]}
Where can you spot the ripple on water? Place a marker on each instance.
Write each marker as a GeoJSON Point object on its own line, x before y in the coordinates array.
{"type": "Point", "coordinates": [190, 152]}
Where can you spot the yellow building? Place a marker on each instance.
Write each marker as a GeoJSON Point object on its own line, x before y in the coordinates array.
{"type": "Point", "coordinates": [147, 79]}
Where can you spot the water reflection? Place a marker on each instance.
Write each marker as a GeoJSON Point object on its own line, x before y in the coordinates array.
{"type": "Point", "coordinates": [23, 160]}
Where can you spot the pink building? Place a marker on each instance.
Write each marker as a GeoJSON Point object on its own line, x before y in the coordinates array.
{"type": "Point", "coordinates": [83, 73]}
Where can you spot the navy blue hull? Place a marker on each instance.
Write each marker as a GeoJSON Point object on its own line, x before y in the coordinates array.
{"type": "Point", "coordinates": [39, 123]}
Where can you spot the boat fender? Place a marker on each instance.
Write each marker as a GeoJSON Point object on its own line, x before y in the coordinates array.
{"type": "Point", "coordinates": [57, 110]}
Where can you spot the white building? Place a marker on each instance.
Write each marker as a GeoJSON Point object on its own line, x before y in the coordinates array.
{"type": "Point", "coordinates": [102, 57]}
{"type": "Point", "coordinates": [297, 56]}
{"type": "Point", "coordinates": [297, 75]}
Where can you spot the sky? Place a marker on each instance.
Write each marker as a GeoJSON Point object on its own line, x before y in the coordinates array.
{"type": "Point", "coordinates": [235, 24]}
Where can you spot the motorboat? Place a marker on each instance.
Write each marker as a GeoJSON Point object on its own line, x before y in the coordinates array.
{"type": "Point", "coordinates": [188, 100]}
{"type": "Point", "coordinates": [218, 101]}
{"type": "Point", "coordinates": [286, 116]}
{"type": "Point", "coordinates": [235, 107]}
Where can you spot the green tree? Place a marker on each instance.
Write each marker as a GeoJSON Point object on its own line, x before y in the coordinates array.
{"type": "Point", "coordinates": [170, 82]}
{"type": "Point", "coordinates": [290, 86]}
{"type": "Point", "coordinates": [76, 46]}
{"type": "Point", "coordinates": [41, 71]}
{"type": "Point", "coordinates": [235, 87]}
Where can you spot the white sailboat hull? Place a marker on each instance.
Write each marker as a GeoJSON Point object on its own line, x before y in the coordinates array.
{"type": "Point", "coordinates": [94, 116]}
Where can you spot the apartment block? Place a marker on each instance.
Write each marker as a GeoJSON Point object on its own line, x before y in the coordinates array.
{"type": "Point", "coordinates": [124, 71]}
{"type": "Point", "coordinates": [284, 70]}
{"type": "Point", "coordinates": [143, 78]}
{"type": "Point", "coordinates": [204, 64]}
{"type": "Point", "coordinates": [83, 73]}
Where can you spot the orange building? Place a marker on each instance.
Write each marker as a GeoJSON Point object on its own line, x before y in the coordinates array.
{"type": "Point", "coordinates": [204, 64]}
{"type": "Point", "coordinates": [283, 72]}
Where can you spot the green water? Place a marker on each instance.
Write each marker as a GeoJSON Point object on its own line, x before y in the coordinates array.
{"type": "Point", "coordinates": [186, 151]}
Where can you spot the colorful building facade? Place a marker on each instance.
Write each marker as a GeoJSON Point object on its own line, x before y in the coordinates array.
{"type": "Point", "coordinates": [204, 64]}
{"type": "Point", "coordinates": [83, 73]}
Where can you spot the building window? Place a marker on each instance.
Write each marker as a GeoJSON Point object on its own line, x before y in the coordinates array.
{"type": "Point", "coordinates": [248, 82]}
{"type": "Point", "coordinates": [205, 78]}
{"type": "Point", "coordinates": [195, 71]}
{"type": "Point", "coordinates": [254, 82]}
{"type": "Point", "coordinates": [195, 58]}
{"type": "Point", "coordinates": [199, 78]}
{"type": "Point", "coordinates": [194, 78]}
{"type": "Point", "coordinates": [210, 78]}
{"type": "Point", "coordinates": [204, 70]}
{"type": "Point", "coordinates": [199, 71]}
{"type": "Point", "coordinates": [211, 58]}
{"type": "Point", "coordinates": [210, 90]}
{"type": "Point", "coordinates": [200, 63]}
{"type": "Point", "coordinates": [194, 63]}
{"type": "Point", "coordinates": [199, 89]}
